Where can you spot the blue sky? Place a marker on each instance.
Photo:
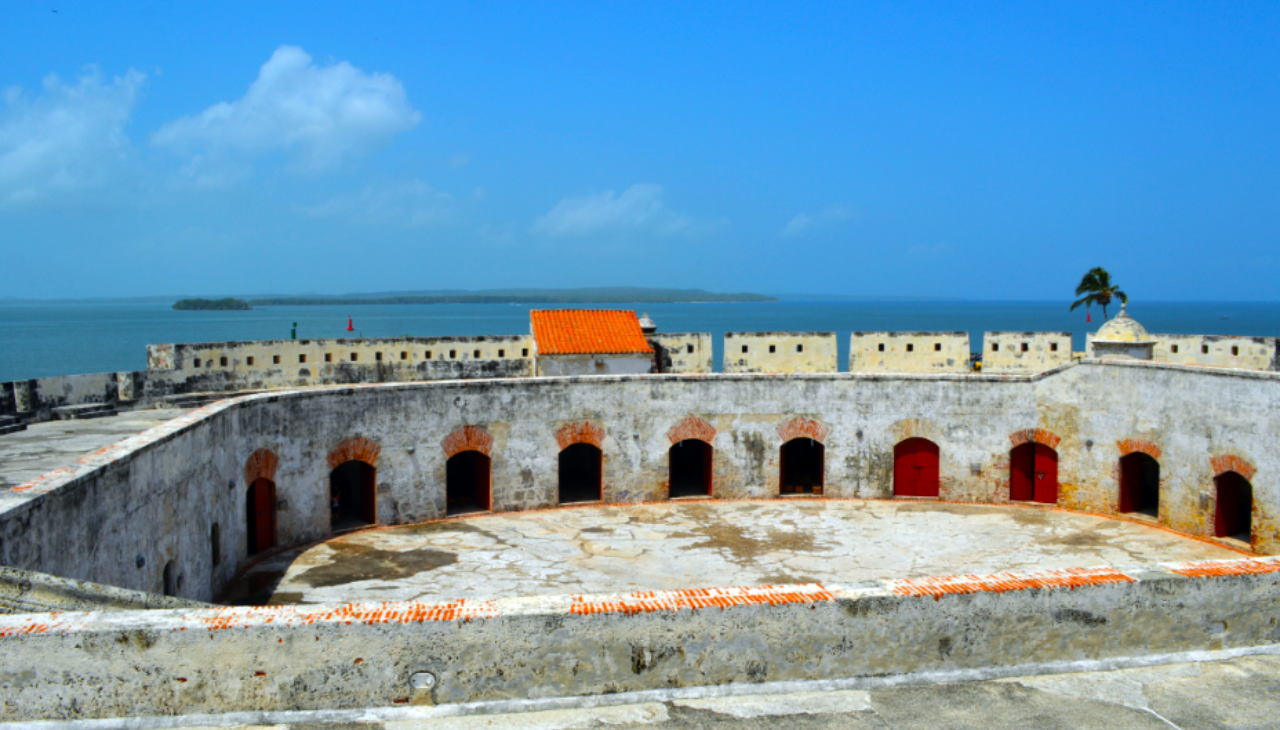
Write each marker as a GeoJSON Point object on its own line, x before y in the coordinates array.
{"type": "Point", "coordinates": [989, 151]}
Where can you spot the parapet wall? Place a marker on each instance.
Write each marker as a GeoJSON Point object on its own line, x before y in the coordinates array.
{"type": "Point", "coordinates": [1024, 352]}
{"type": "Point", "coordinates": [121, 515]}
{"type": "Point", "coordinates": [909, 352]}
{"type": "Point", "coordinates": [780, 352]}
{"type": "Point", "coordinates": [86, 665]}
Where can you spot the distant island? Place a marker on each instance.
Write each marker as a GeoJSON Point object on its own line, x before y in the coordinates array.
{"type": "Point", "coordinates": [607, 295]}
{"type": "Point", "coordinates": [220, 305]}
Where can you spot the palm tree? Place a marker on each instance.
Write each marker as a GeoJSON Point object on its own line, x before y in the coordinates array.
{"type": "Point", "coordinates": [1100, 290]}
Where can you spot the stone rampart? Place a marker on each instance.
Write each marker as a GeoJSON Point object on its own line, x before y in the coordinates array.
{"type": "Point", "coordinates": [1024, 352]}
{"type": "Point", "coordinates": [121, 515]}
{"type": "Point", "coordinates": [780, 352]}
{"type": "Point", "coordinates": [90, 665]}
{"type": "Point", "coordinates": [909, 352]}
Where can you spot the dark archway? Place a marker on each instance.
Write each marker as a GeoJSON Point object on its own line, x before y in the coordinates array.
{"type": "Point", "coordinates": [1234, 515]}
{"type": "Point", "coordinates": [1140, 484]}
{"type": "Point", "coordinates": [690, 468]}
{"type": "Point", "coordinates": [260, 515]}
{"type": "Point", "coordinates": [352, 496]}
{"type": "Point", "coordinates": [581, 473]}
{"type": "Point", "coordinates": [801, 466]}
{"type": "Point", "coordinates": [170, 578]}
{"type": "Point", "coordinates": [467, 483]}
{"type": "Point", "coordinates": [1033, 474]}
{"type": "Point", "coordinates": [215, 544]}
{"type": "Point", "coordinates": [915, 468]}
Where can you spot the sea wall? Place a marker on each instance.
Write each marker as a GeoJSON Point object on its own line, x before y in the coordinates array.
{"type": "Point", "coordinates": [113, 664]}
{"type": "Point", "coordinates": [122, 515]}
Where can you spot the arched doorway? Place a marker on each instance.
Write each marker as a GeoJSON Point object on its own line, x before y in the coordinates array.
{"type": "Point", "coordinates": [1033, 474]}
{"type": "Point", "coordinates": [690, 468]}
{"type": "Point", "coordinates": [1140, 484]}
{"type": "Point", "coordinates": [581, 473]}
{"type": "Point", "coordinates": [260, 517]}
{"type": "Point", "coordinates": [352, 495]}
{"type": "Point", "coordinates": [170, 578]}
{"type": "Point", "coordinates": [915, 468]}
{"type": "Point", "coordinates": [801, 467]}
{"type": "Point", "coordinates": [467, 483]}
{"type": "Point", "coordinates": [1234, 515]}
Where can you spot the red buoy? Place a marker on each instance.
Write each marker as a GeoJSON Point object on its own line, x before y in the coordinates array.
{"type": "Point", "coordinates": [350, 327]}
{"type": "Point", "coordinates": [1088, 317]}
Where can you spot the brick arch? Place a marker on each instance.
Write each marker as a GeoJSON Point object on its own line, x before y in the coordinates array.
{"type": "Point", "coordinates": [1230, 462]}
{"type": "Point", "coordinates": [467, 438]}
{"type": "Point", "coordinates": [585, 432]}
{"type": "Point", "coordinates": [692, 427]}
{"type": "Point", "coordinates": [1139, 446]}
{"type": "Point", "coordinates": [909, 428]}
{"type": "Point", "coordinates": [261, 464]}
{"type": "Point", "coordinates": [802, 428]}
{"type": "Point", "coordinates": [354, 449]}
{"type": "Point", "coordinates": [1036, 435]}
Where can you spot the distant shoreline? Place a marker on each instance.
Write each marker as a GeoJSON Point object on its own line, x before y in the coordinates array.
{"type": "Point", "coordinates": [596, 296]}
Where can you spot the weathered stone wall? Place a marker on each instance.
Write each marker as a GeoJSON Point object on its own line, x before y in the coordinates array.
{"type": "Point", "coordinates": [157, 496]}
{"type": "Point", "coordinates": [1024, 352]}
{"type": "Point", "coordinates": [171, 662]}
{"type": "Point", "coordinates": [1254, 353]}
{"type": "Point", "coordinates": [780, 352]}
{"type": "Point", "coordinates": [618, 364]}
{"type": "Point", "coordinates": [909, 352]}
{"type": "Point", "coordinates": [682, 352]}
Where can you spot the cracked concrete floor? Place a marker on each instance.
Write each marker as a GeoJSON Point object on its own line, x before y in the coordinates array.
{"type": "Point", "coordinates": [617, 549]}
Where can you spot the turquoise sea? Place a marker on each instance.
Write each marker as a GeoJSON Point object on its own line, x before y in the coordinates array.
{"type": "Point", "coordinates": [56, 338]}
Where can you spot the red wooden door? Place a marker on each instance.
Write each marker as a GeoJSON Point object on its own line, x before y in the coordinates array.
{"type": "Point", "coordinates": [263, 515]}
{"type": "Point", "coordinates": [926, 468]}
{"type": "Point", "coordinates": [368, 492]}
{"type": "Point", "coordinates": [1130, 482]}
{"type": "Point", "coordinates": [1046, 472]}
{"type": "Point", "coordinates": [1022, 467]}
{"type": "Point", "coordinates": [904, 469]}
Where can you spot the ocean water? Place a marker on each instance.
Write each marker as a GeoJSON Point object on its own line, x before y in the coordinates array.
{"type": "Point", "coordinates": [57, 338]}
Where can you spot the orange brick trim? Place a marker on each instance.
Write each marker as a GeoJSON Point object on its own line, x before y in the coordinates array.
{"type": "Point", "coordinates": [580, 433]}
{"type": "Point", "coordinates": [650, 601]}
{"type": "Point", "coordinates": [952, 584]}
{"type": "Point", "coordinates": [357, 449]}
{"type": "Point", "coordinates": [802, 428]}
{"type": "Point", "coordinates": [1134, 446]}
{"type": "Point", "coordinates": [1231, 462]}
{"type": "Point", "coordinates": [1036, 435]}
{"type": "Point", "coordinates": [467, 438]}
{"type": "Point", "coordinates": [261, 464]}
{"type": "Point", "coordinates": [692, 427]}
{"type": "Point", "coordinates": [1225, 568]}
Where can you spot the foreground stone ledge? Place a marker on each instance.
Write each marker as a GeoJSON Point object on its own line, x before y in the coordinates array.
{"type": "Point", "coordinates": [171, 662]}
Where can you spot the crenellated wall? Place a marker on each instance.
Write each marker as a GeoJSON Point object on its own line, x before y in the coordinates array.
{"type": "Point", "coordinates": [1024, 352]}
{"type": "Point", "coordinates": [909, 352]}
{"type": "Point", "coordinates": [780, 352]}
{"type": "Point", "coordinates": [120, 515]}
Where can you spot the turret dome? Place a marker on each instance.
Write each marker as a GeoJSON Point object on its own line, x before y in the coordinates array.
{"type": "Point", "coordinates": [1122, 328]}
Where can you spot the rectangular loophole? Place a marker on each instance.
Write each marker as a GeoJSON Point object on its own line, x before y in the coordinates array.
{"type": "Point", "coordinates": [377, 356]}
{"type": "Point", "coordinates": [881, 347]}
{"type": "Point", "coordinates": [1025, 347]}
{"type": "Point", "coordinates": [799, 348]}
{"type": "Point", "coordinates": [223, 361]}
{"type": "Point", "coordinates": [1234, 351]}
{"type": "Point", "coordinates": [689, 349]}
{"type": "Point", "coordinates": [744, 348]}
{"type": "Point", "coordinates": [195, 362]}
{"type": "Point", "coordinates": [453, 354]}
{"type": "Point", "coordinates": [1053, 347]}
{"type": "Point", "coordinates": [1173, 349]}
{"type": "Point", "coordinates": [524, 352]}
{"type": "Point", "coordinates": [404, 356]}
{"type": "Point", "coordinates": [475, 355]}
{"type": "Point", "coordinates": [937, 347]}
{"type": "Point", "coordinates": [249, 361]}
{"type": "Point", "coordinates": [302, 358]}
{"type": "Point", "coordinates": [911, 347]}
{"type": "Point", "coordinates": [428, 354]}
{"type": "Point", "coordinates": [773, 348]}
{"type": "Point", "coordinates": [328, 357]}
{"type": "Point", "coordinates": [275, 359]}
{"type": "Point", "coordinates": [355, 356]}
{"type": "Point", "coordinates": [995, 347]}
{"type": "Point", "coordinates": [1204, 349]}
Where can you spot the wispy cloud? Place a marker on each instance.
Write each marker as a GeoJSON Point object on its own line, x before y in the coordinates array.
{"type": "Point", "coordinates": [411, 204]}
{"type": "Point", "coordinates": [70, 137]}
{"type": "Point", "coordinates": [638, 209]}
{"type": "Point", "coordinates": [319, 115]}
{"type": "Point", "coordinates": [806, 223]}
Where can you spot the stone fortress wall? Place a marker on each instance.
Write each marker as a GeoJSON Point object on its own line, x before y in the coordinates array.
{"type": "Point", "coordinates": [153, 500]}
{"type": "Point", "coordinates": [175, 371]}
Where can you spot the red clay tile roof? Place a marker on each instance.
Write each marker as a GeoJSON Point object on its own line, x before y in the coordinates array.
{"type": "Point", "coordinates": [588, 332]}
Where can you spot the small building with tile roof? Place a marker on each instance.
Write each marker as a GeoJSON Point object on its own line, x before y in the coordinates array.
{"type": "Point", "coordinates": [590, 342]}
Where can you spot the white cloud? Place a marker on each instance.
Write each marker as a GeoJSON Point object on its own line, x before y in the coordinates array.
{"type": "Point", "coordinates": [71, 137]}
{"type": "Point", "coordinates": [640, 208]}
{"type": "Point", "coordinates": [807, 223]}
{"type": "Point", "coordinates": [320, 115]}
{"type": "Point", "coordinates": [409, 205]}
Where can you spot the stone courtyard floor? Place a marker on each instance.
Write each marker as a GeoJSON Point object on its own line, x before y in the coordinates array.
{"type": "Point", "coordinates": [618, 549]}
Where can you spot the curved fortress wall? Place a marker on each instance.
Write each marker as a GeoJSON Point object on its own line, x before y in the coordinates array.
{"type": "Point", "coordinates": [126, 513]}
